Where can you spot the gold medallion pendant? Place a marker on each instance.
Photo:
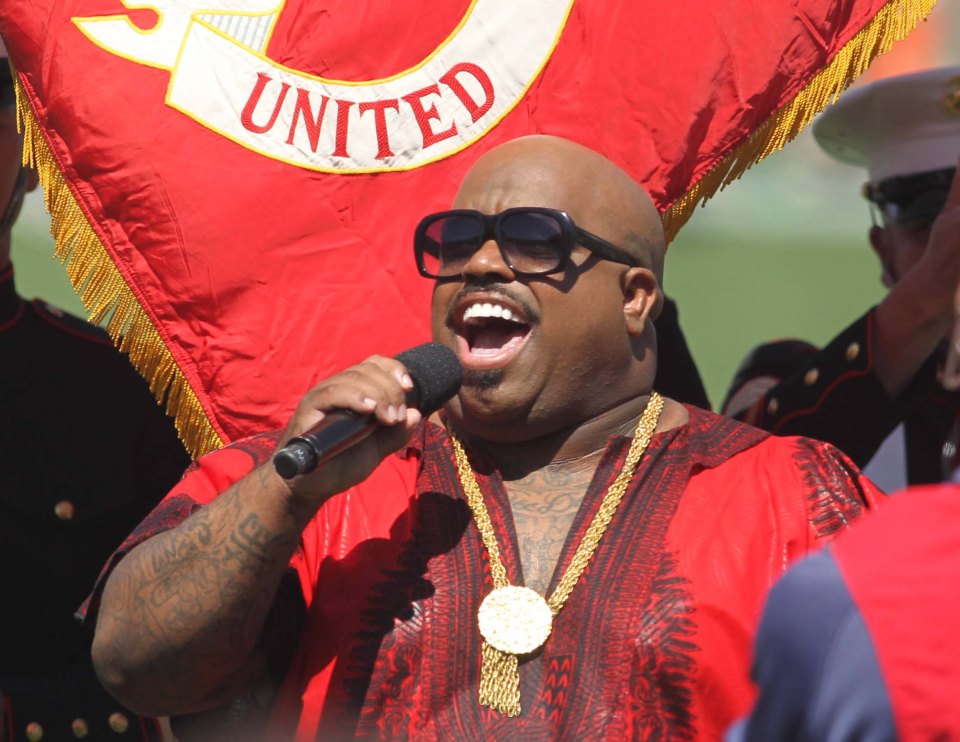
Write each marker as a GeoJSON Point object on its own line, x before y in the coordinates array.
{"type": "Point", "coordinates": [515, 619]}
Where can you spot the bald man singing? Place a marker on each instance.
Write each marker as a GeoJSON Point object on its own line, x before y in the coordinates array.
{"type": "Point", "coordinates": [558, 553]}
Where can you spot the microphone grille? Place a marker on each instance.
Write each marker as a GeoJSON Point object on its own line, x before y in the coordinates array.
{"type": "Point", "coordinates": [436, 373]}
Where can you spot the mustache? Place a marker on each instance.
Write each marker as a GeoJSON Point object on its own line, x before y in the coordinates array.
{"type": "Point", "coordinates": [530, 313]}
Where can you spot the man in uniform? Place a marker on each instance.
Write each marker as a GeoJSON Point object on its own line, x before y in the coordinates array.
{"type": "Point", "coordinates": [859, 641]}
{"type": "Point", "coordinates": [873, 390]}
{"type": "Point", "coordinates": [418, 562]}
{"type": "Point", "coordinates": [85, 453]}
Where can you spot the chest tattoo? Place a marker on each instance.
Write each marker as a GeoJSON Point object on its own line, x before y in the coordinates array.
{"type": "Point", "coordinates": [544, 505]}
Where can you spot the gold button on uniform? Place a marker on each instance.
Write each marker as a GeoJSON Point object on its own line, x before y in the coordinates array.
{"type": "Point", "coordinates": [118, 722]}
{"type": "Point", "coordinates": [772, 407]}
{"type": "Point", "coordinates": [64, 510]}
{"type": "Point", "coordinates": [34, 732]}
{"type": "Point", "coordinates": [80, 728]}
{"type": "Point", "coordinates": [853, 350]}
{"type": "Point", "coordinates": [811, 377]}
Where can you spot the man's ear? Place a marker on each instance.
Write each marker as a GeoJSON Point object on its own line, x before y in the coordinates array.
{"type": "Point", "coordinates": [881, 246]}
{"type": "Point", "coordinates": [642, 299]}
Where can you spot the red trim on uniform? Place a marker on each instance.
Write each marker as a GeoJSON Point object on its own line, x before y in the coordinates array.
{"type": "Point", "coordinates": [853, 374]}
{"type": "Point", "coordinates": [146, 723]}
{"type": "Point", "coordinates": [4, 326]}
{"type": "Point", "coordinates": [6, 273]}
{"type": "Point", "coordinates": [41, 308]}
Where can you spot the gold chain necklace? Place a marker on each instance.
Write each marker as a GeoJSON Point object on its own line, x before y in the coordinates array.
{"type": "Point", "coordinates": [515, 620]}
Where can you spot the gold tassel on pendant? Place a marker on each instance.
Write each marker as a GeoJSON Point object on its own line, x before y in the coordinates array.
{"type": "Point", "coordinates": [499, 681]}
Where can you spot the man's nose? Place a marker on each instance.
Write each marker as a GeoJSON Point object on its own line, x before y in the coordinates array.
{"type": "Point", "coordinates": [488, 261]}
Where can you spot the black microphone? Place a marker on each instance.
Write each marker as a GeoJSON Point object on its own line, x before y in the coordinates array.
{"type": "Point", "coordinates": [436, 375]}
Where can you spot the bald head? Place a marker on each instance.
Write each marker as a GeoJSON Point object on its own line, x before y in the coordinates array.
{"type": "Point", "coordinates": [549, 171]}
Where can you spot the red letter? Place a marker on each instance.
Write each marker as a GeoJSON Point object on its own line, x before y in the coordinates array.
{"type": "Point", "coordinates": [312, 124]}
{"type": "Point", "coordinates": [379, 108]}
{"type": "Point", "coordinates": [424, 116]}
{"type": "Point", "coordinates": [343, 120]}
{"type": "Point", "coordinates": [246, 117]}
{"type": "Point", "coordinates": [450, 80]}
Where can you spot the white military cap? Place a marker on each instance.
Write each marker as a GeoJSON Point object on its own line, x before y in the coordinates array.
{"type": "Point", "coordinates": [896, 126]}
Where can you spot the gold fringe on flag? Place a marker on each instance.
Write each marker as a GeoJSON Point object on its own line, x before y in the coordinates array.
{"type": "Point", "coordinates": [105, 293]}
{"type": "Point", "coordinates": [893, 22]}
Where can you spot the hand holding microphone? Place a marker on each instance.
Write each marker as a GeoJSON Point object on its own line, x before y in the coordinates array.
{"type": "Point", "coordinates": [366, 400]}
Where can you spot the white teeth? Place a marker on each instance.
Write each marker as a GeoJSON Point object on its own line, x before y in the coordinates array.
{"type": "Point", "coordinates": [488, 309]}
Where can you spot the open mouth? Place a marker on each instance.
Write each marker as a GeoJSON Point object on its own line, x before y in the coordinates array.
{"type": "Point", "coordinates": [490, 333]}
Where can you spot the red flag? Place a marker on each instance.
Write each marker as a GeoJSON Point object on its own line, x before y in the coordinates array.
{"type": "Point", "coordinates": [236, 182]}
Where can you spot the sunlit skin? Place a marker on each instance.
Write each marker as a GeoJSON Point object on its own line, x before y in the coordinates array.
{"type": "Point", "coordinates": [590, 356]}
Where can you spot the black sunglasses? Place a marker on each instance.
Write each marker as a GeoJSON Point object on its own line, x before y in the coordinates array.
{"type": "Point", "coordinates": [532, 241]}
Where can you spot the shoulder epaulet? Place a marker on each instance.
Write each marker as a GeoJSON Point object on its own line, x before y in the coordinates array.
{"type": "Point", "coordinates": [70, 324]}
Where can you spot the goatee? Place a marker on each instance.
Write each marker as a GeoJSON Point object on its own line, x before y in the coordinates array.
{"type": "Point", "coordinates": [482, 379]}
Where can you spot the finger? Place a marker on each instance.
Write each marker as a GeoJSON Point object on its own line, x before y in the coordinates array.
{"type": "Point", "coordinates": [392, 397]}
{"type": "Point", "coordinates": [393, 367]}
{"type": "Point", "coordinates": [392, 438]}
{"type": "Point", "coordinates": [363, 396]}
{"type": "Point", "coordinates": [376, 386]}
{"type": "Point", "coordinates": [338, 393]}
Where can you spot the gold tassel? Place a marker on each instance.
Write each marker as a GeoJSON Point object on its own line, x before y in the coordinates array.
{"type": "Point", "coordinates": [106, 295]}
{"type": "Point", "coordinates": [499, 681]}
{"type": "Point", "coordinates": [893, 22]}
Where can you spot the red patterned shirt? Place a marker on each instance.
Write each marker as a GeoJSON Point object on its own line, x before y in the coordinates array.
{"type": "Point", "coordinates": [653, 643]}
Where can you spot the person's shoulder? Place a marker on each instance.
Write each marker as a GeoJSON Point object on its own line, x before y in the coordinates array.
{"type": "Point", "coordinates": [70, 325]}
{"type": "Point", "coordinates": [719, 439]}
{"type": "Point", "coordinates": [711, 440]}
{"type": "Point", "coordinates": [754, 441]}
{"type": "Point", "coordinates": [762, 369]}
{"type": "Point", "coordinates": [815, 464]}
{"type": "Point", "coordinates": [785, 462]}
{"type": "Point", "coordinates": [729, 436]}
{"type": "Point", "coordinates": [802, 450]}
{"type": "Point", "coordinates": [921, 518]}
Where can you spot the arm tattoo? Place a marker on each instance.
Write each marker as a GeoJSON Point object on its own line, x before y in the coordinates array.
{"type": "Point", "coordinates": [198, 596]}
